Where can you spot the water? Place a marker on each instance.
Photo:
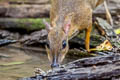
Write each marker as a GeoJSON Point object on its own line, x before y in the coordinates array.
{"type": "Point", "coordinates": [17, 62]}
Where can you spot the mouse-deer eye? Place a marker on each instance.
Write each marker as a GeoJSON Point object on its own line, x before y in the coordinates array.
{"type": "Point", "coordinates": [64, 43]}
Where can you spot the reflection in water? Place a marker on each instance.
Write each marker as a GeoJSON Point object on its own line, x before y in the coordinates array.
{"type": "Point", "coordinates": [31, 58]}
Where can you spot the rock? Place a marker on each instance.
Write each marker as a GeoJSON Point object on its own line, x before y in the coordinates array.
{"type": "Point", "coordinates": [4, 34]}
{"type": "Point", "coordinates": [35, 38]}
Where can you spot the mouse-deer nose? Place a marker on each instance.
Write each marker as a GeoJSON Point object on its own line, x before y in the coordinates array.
{"type": "Point", "coordinates": [55, 63]}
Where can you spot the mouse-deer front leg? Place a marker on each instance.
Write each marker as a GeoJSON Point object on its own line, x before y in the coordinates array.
{"type": "Point", "coordinates": [87, 38]}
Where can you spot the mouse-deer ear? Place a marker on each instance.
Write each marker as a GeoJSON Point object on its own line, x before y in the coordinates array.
{"type": "Point", "coordinates": [67, 26]}
{"type": "Point", "coordinates": [67, 22]}
{"type": "Point", "coordinates": [47, 25]}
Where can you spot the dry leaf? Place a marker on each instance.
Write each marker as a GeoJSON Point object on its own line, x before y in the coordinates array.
{"type": "Point", "coordinates": [117, 31]}
{"type": "Point", "coordinates": [106, 45]}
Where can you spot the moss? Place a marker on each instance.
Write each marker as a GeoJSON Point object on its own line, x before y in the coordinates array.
{"type": "Point", "coordinates": [31, 24]}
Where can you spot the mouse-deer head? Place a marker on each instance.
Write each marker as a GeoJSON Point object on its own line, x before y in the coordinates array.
{"type": "Point", "coordinates": [57, 42]}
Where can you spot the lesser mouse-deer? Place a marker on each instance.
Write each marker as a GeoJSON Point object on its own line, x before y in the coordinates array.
{"type": "Point", "coordinates": [67, 17]}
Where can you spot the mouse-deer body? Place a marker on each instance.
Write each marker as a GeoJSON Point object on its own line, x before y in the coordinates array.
{"type": "Point", "coordinates": [67, 17]}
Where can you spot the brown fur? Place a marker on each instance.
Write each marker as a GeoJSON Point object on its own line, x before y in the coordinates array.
{"type": "Point", "coordinates": [79, 13]}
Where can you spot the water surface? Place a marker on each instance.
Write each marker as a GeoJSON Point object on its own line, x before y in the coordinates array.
{"type": "Point", "coordinates": [17, 62]}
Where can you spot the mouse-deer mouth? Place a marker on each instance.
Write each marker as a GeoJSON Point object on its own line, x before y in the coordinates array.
{"type": "Point", "coordinates": [55, 63]}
